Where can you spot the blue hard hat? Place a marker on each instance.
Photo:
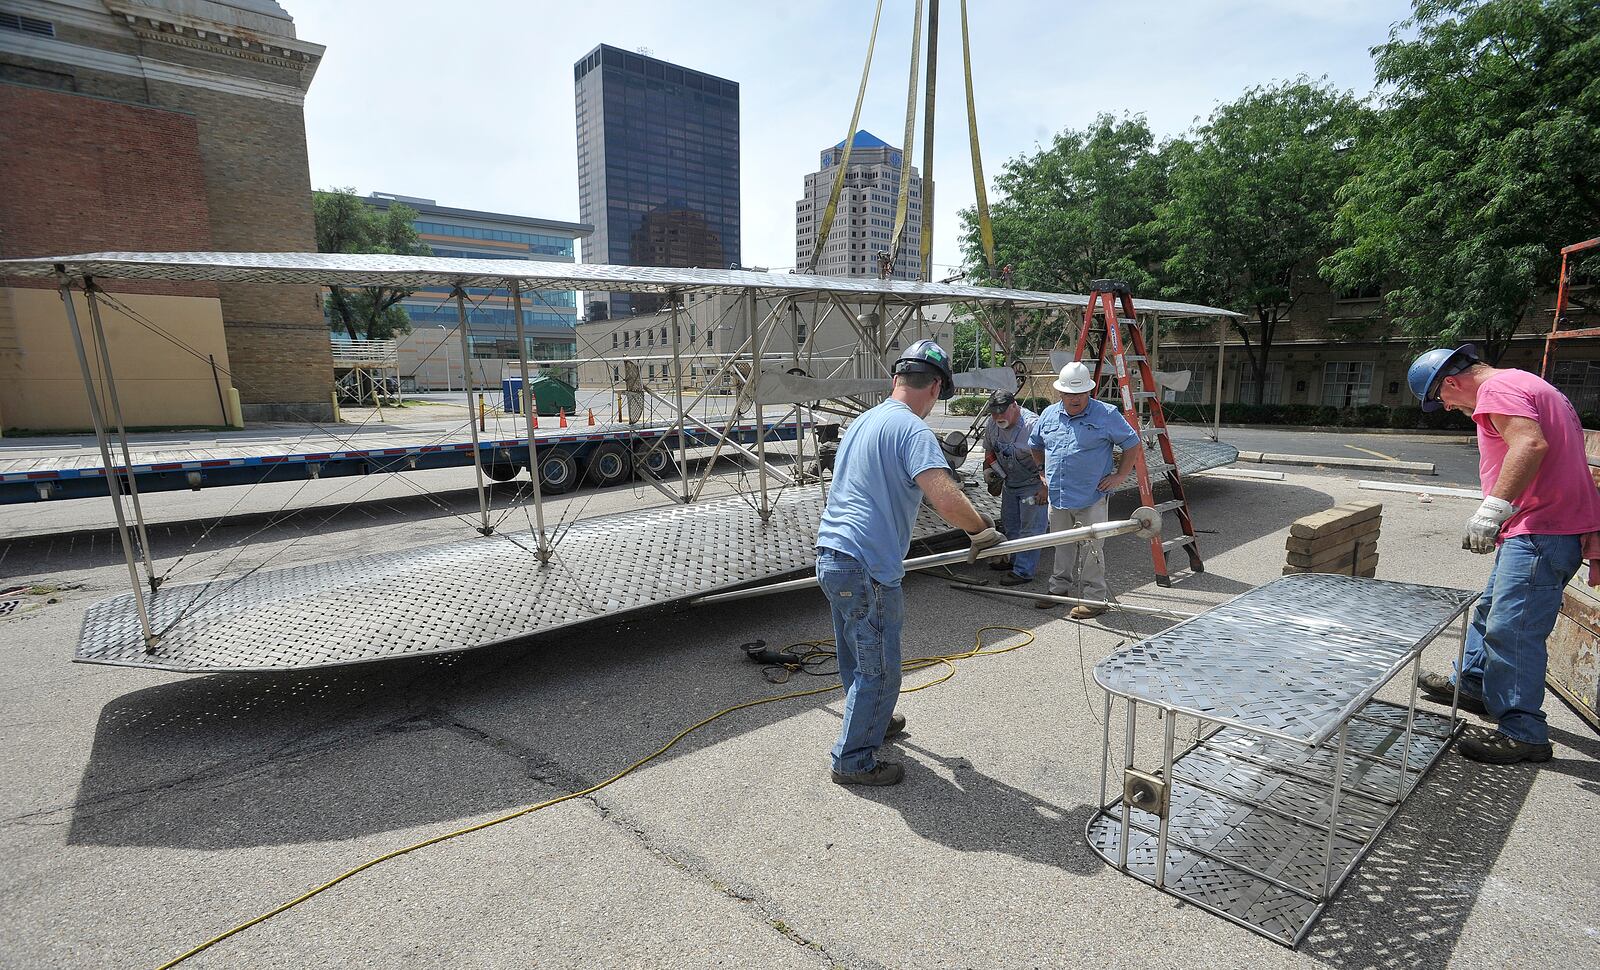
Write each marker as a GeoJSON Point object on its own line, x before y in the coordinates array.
{"type": "Point", "coordinates": [1430, 367]}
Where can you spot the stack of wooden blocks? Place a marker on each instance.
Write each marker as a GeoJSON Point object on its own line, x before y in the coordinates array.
{"type": "Point", "coordinates": [1344, 540]}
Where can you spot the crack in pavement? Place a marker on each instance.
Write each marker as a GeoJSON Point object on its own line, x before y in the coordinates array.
{"type": "Point", "coordinates": [546, 769]}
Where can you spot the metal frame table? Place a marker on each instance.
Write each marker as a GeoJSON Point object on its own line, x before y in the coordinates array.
{"type": "Point", "coordinates": [1298, 769]}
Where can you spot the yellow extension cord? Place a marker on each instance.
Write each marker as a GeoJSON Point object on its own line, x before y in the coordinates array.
{"type": "Point", "coordinates": [908, 666]}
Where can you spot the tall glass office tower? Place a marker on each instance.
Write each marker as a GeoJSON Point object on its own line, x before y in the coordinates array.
{"type": "Point", "coordinates": [658, 168]}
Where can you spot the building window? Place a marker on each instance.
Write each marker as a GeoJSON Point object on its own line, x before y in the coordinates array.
{"type": "Point", "coordinates": [615, 374]}
{"type": "Point", "coordinates": [624, 338]}
{"type": "Point", "coordinates": [613, 341]}
{"type": "Point", "coordinates": [1371, 291]}
{"type": "Point", "coordinates": [708, 337]}
{"type": "Point", "coordinates": [1199, 385]}
{"type": "Point", "coordinates": [1579, 380]}
{"type": "Point", "coordinates": [1247, 384]}
{"type": "Point", "coordinates": [27, 25]}
{"type": "Point", "coordinates": [652, 372]}
{"type": "Point", "coordinates": [663, 336]}
{"type": "Point", "coordinates": [1346, 383]}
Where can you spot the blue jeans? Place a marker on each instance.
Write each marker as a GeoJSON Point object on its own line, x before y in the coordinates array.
{"type": "Point", "coordinates": [1020, 521]}
{"type": "Point", "coordinates": [1505, 657]}
{"type": "Point", "coordinates": [867, 617]}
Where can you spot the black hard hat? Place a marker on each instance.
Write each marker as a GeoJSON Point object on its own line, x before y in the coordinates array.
{"type": "Point", "coordinates": [927, 357]}
{"type": "Point", "coordinates": [1000, 402]}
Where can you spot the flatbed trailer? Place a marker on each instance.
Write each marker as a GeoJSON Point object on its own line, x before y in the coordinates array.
{"type": "Point", "coordinates": [568, 457]}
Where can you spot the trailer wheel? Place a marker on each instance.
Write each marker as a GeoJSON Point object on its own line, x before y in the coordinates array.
{"type": "Point", "coordinates": [658, 462]}
{"type": "Point", "coordinates": [502, 471]}
{"type": "Point", "coordinates": [558, 472]}
{"type": "Point", "coordinates": [608, 464]}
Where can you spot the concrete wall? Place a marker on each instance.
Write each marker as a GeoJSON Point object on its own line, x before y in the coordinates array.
{"type": "Point", "coordinates": [158, 383]}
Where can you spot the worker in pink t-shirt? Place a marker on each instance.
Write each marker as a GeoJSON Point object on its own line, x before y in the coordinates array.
{"type": "Point", "coordinates": [1540, 516]}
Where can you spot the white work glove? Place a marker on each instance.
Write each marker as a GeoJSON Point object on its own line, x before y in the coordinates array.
{"type": "Point", "coordinates": [990, 536]}
{"type": "Point", "coordinates": [1484, 526]}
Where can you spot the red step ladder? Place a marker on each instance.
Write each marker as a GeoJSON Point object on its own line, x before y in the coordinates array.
{"type": "Point", "coordinates": [1138, 389]}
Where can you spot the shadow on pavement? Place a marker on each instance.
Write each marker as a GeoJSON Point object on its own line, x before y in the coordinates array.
{"type": "Point", "coordinates": [964, 809]}
{"type": "Point", "coordinates": [1407, 902]}
{"type": "Point", "coordinates": [294, 757]}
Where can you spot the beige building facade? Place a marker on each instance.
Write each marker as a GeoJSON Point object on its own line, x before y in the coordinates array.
{"type": "Point", "coordinates": [713, 327]}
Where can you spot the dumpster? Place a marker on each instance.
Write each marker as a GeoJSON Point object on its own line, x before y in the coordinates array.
{"type": "Point", "coordinates": [551, 394]}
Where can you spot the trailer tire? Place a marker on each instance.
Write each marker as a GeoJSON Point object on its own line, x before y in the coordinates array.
{"type": "Point", "coordinates": [502, 471]}
{"type": "Point", "coordinates": [658, 462]}
{"type": "Point", "coordinates": [558, 471]}
{"type": "Point", "coordinates": [609, 464]}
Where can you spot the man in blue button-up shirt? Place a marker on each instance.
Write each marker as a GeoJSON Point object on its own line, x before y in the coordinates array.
{"type": "Point", "coordinates": [1072, 442]}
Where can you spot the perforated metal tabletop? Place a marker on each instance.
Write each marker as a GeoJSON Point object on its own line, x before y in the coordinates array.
{"type": "Point", "coordinates": [1293, 659]}
{"type": "Point", "coordinates": [1264, 817]}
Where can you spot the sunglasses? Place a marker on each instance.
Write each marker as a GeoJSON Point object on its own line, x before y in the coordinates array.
{"type": "Point", "coordinates": [1449, 371]}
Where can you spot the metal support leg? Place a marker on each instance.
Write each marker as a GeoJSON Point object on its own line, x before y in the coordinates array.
{"type": "Point", "coordinates": [1216, 409]}
{"type": "Point", "coordinates": [530, 407]}
{"type": "Point", "coordinates": [470, 386]}
{"type": "Point", "coordinates": [1166, 775]}
{"type": "Point", "coordinates": [755, 378]}
{"type": "Point", "coordinates": [105, 457]}
{"type": "Point", "coordinates": [1461, 659]}
{"type": "Point", "coordinates": [1333, 814]}
{"type": "Point", "coordinates": [1127, 762]}
{"type": "Point", "coordinates": [677, 395]}
{"type": "Point", "coordinates": [122, 435]}
{"type": "Point", "coordinates": [1411, 720]}
{"type": "Point", "coordinates": [1105, 750]}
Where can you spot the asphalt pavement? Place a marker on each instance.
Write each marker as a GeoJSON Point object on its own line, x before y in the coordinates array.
{"type": "Point", "coordinates": [142, 813]}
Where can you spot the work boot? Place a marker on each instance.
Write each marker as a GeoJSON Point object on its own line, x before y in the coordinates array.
{"type": "Point", "coordinates": [897, 727]}
{"type": "Point", "coordinates": [1000, 562]}
{"type": "Point", "coordinates": [1012, 579]}
{"type": "Point", "coordinates": [1439, 689]}
{"type": "Point", "coordinates": [882, 774]}
{"type": "Point", "coordinates": [1499, 749]}
{"type": "Point", "coordinates": [1086, 612]}
{"type": "Point", "coordinates": [1045, 604]}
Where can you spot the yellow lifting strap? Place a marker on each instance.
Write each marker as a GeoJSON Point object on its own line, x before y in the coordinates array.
{"type": "Point", "coordinates": [926, 249]}
{"type": "Point", "coordinates": [844, 161]}
{"type": "Point", "coordinates": [985, 227]}
{"type": "Point", "coordinates": [908, 145]}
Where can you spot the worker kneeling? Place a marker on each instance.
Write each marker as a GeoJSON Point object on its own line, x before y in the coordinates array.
{"type": "Point", "coordinates": [888, 462]}
{"type": "Point", "coordinates": [1072, 442]}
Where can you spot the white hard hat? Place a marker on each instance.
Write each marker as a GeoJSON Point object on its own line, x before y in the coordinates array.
{"type": "Point", "coordinates": [1075, 379]}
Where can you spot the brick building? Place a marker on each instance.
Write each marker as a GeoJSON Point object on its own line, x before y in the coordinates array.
{"type": "Point", "coordinates": [1338, 349]}
{"type": "Point", "coordinates": [219, 86]}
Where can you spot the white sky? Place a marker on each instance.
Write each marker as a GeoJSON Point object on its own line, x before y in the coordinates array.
{"type": "Point", "coordinates": [471, 103]}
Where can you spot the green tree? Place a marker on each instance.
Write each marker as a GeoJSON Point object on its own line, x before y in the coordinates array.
{"type": "Point", "coordinates": [1252, 198]}
{"type": "Point", "coordinates": [1077, 211]}
{"type": "Point", "coordinates": [1488, 162]}
{"type": "Point", "coordinates": [973, 347]}
{"type": "Point", "coordinates": [346, 224]}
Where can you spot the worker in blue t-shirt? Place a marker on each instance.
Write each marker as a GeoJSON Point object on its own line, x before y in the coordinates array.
{"type": "Point", "coordinates": [1072, 442]}
{"type": "Point", "coordinates": [888, 462]}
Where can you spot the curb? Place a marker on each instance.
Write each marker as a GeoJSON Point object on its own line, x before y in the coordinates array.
{"type": "Point", "coordinates": [1366, 464]}
{"type": "Point", "coordinates": [1460, 437]}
